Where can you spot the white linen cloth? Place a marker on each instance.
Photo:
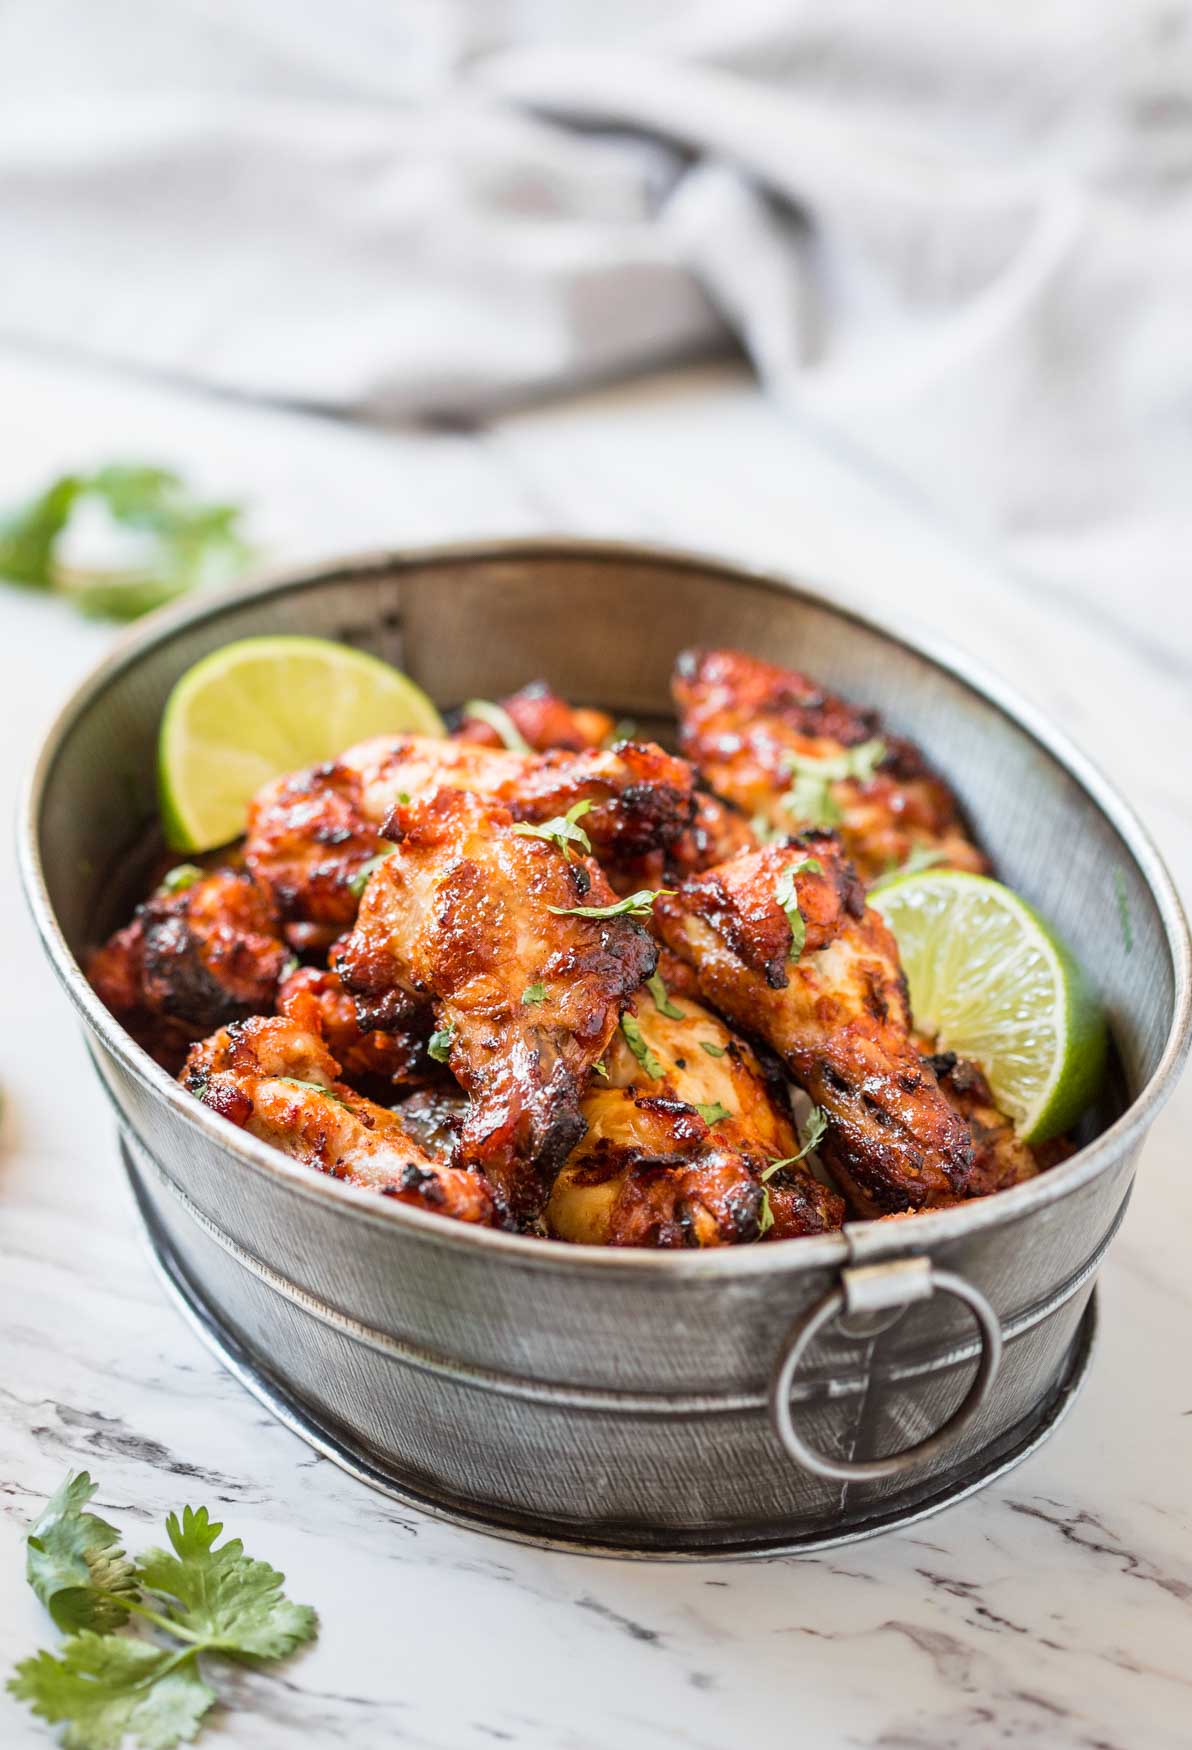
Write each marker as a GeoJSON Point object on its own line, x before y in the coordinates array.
{"type": "Point", "coordinates": [956, 237]}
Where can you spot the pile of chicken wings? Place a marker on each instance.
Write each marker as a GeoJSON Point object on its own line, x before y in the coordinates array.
{"type": "Point", "coordinates": [565, 987]}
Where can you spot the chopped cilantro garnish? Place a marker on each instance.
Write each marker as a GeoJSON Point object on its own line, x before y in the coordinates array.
{"type": "Point", "coordinates": [499, 719]}
{"type": "Point", "coordinates": [785, 894]}
{"type": "Point", "coordinates": [813, 1134]}
{"type": "Point", "coordinates": [810, 798]}
{"type": "Point", "coordinates": [440, 1043]}
{"type": "Point", "coordinates": [314, 1088]}
{"type": "Point", "coordinates": [714, 1113]}
{"type": "Point", "coordinates": [534, 993]}
{"type": "Point", "coordinates": [359, 881]}
{"type": "Point", "coordinates": [601, 1069]}
{"type": "Point", "coordinates": [635, 1040]}
{"type": "Point", "coordinates": [637, 905]}
{"type": "Point", "coordinates": [561, 830]}
{"type": "Point", "coordinates": [765, 1220]}
{"type": "Point", "coordinates": [179, 878]}
{"type": "Point", "coordinates": [712, 1050]}
{"type": "Point", "coordinates": [661, 997]}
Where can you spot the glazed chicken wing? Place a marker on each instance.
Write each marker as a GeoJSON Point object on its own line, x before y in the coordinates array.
{"type": "Point", "coordinates": [543, 720]}
{"type": "Point", "coordinates": [316, 1000]}
{"type": "Point", "coordinates": [836, 1014]}
{"type": "Point", "coordinates": [999, 1158]}
{"type": "Point", "coordinates": [686, 1120]}
{"type": "Point", "coordinates": [281, 1084]}
{"type": "Point", "coordinates": [310, 834]}
{"type": "Point", "coordinates": [794, 756]}
{"type": "Point", "coordinates": [480, 919]}
{"type": "Point", "coordinates": [203, 950]}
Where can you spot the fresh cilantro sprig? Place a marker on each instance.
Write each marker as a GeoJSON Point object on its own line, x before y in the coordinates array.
{"type": "Point", "coordinates": [313, 1087]}
{"type": "Point", "coordinates": [179, 543]}
{"type": "Point", "coordinates": [636, 905]}
{"type": "Point", "coordinates": [534, 994]}
{"type": "Point", "coordinates": [785, 894]}
{"type": "Point", "coordinates": [561, 830]}
{"type": "Point", "coordinates": [916, 860]}
{"type": "Point", "coordinates": [499, 720]}
{"type": "Point", "coordinates": [810, 797]}
{"type": "Point", "coordinates": [206, 1600]}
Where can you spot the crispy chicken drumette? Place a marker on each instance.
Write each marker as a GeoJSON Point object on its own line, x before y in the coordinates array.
{"type": "Point", "coordinates": [835, 1012]}
{"type": "Point", "coordinates": [196, 955]}
{"type": "Point", "coordinates": [311, 833]}
{"type": "Point", "coordinates": [481, 920]}
{"type": "Point", "coordinates": [281, 1084]}
{"type": "Point", "coordinates": [794, 756]}
{"type": "Point", "coordinates": [543, 720]}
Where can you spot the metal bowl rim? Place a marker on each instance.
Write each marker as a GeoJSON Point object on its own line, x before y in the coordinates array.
{"type": "Point", "coordinates": [823, 1251]}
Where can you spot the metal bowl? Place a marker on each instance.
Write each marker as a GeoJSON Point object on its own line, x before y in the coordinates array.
{"type": "Point", "coordinates": [744, 1400]}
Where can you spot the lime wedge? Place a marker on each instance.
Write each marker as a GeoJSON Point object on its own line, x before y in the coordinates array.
{"type": "Point", "coordinates": [990, 981]}
{"type": "Point", "coordinates": [261, 707]}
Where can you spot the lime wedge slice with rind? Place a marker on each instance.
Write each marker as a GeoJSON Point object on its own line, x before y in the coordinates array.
{"type": "Point", "coordinates": [264, 706]}
{"type": "Point", "coordinates": [991, 981]}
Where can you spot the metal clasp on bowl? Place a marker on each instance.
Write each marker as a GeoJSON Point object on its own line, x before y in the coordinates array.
{"type": "Point", "coordinates": [869, 1289]}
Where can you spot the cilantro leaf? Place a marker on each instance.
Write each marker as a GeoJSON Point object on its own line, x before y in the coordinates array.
{"type": "Point", "coordinates": [637, 905]}
{"type": "Point", "coordinates": [73, 1556]}
{"type": "Point", "coordinates": [814, 1132]}
{"type": "Point", "coordinates": [108, 1685]}
{"type": "Point", "coordinates": [223, 1600]}
{"type": "Point", "coordinates": [600, 1069]}
{"type": "Point", "coordinates": [714, 1113]}
{"type": "Point", "coordinates": [784, 893]}
{"type": "Point", "coordinates": [636, 1042]}
{"type": "Point", "coordinates": [359, 881]}
{"type": "Point", "coordinates": [561, 830]}
{"type": "Point", "coordinates": [440, 1043]}
{"type": "Point", "coordinates": [662, 1002]}
{"type": "Point", "coordinates": [712, 1050]}
{"type": "Point", "coordinates": [499, 719]}
{"type": "Point", "coordinates": [314, 1087]}
{"type": "Point", "coordinates": [534, 994]}
{"type": "Point", "coordinates": [179, 878]}
{"type": "Point", "coordinates": [765, 1220]}
{"type": "Point", "coordinates": [919, 858]}
{"type": "Point", "coordinates": [810, 797]}
{"type": "Point", "coordinates": [182, 543]}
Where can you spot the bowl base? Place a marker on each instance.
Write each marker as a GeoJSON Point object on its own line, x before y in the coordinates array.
{"type": "Point", "coordinates": [1018, 1444]}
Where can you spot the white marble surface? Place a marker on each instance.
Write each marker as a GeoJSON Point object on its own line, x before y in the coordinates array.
{"type": "Point", "coordinates": [1053, 1610]}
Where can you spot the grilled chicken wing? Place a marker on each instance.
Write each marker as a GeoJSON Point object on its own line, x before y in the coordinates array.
{"type": "Point", "coordinates": [651, 1172]}
{"type": "Point", "coordinates": [680, 1134]}
{"type": "Point", "coordinates": [789, 753]}
{"type": "Point", "coordinates": [999, 1158]}
{"type": "Point", "coordinates": [543, 720]}
{"type": "Point", "coordinates": [316, 1000]}
{"type": "Point", "coordinates": [281, 1084]}
{"type": "Point", "coordinates": [193, 958]}
{"type": "Point", "coordinates": [837, 1015]}
{"type": "Point", "coordinates": [310, 834]}
{"type": "Point", "coordinates": [476, 916]}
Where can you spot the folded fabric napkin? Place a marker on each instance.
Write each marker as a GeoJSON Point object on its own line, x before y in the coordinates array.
{"type": "Point", "coordinates": [957, 238]}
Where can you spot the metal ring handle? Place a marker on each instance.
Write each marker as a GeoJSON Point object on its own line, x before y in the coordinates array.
{"type": "Point", "coordinates": [869, 1289]}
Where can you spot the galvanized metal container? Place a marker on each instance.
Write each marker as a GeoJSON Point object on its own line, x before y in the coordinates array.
{"type": "Point", "coordinates": [673, 1403]}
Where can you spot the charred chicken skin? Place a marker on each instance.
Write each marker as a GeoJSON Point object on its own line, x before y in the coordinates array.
{"type": "Point", "coordinates": [472, 1043]}
{"type": "Point", "coordinates": [793, 756]}
{"type": "Point", "coordinates": [543, 720]}
{"type": "Point", "coordinates": [481, 920]}
{"type": "Point", "coordinates": [311, 834]}
{"type": "Point", "coordinates": [280, 1083]}
{"type": "Point", "coordinates": [192, 959]}
{"type": "Point", "coordinates": [674, 1069]}
{"type": "Point", "coordinates": [836, 1014]}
